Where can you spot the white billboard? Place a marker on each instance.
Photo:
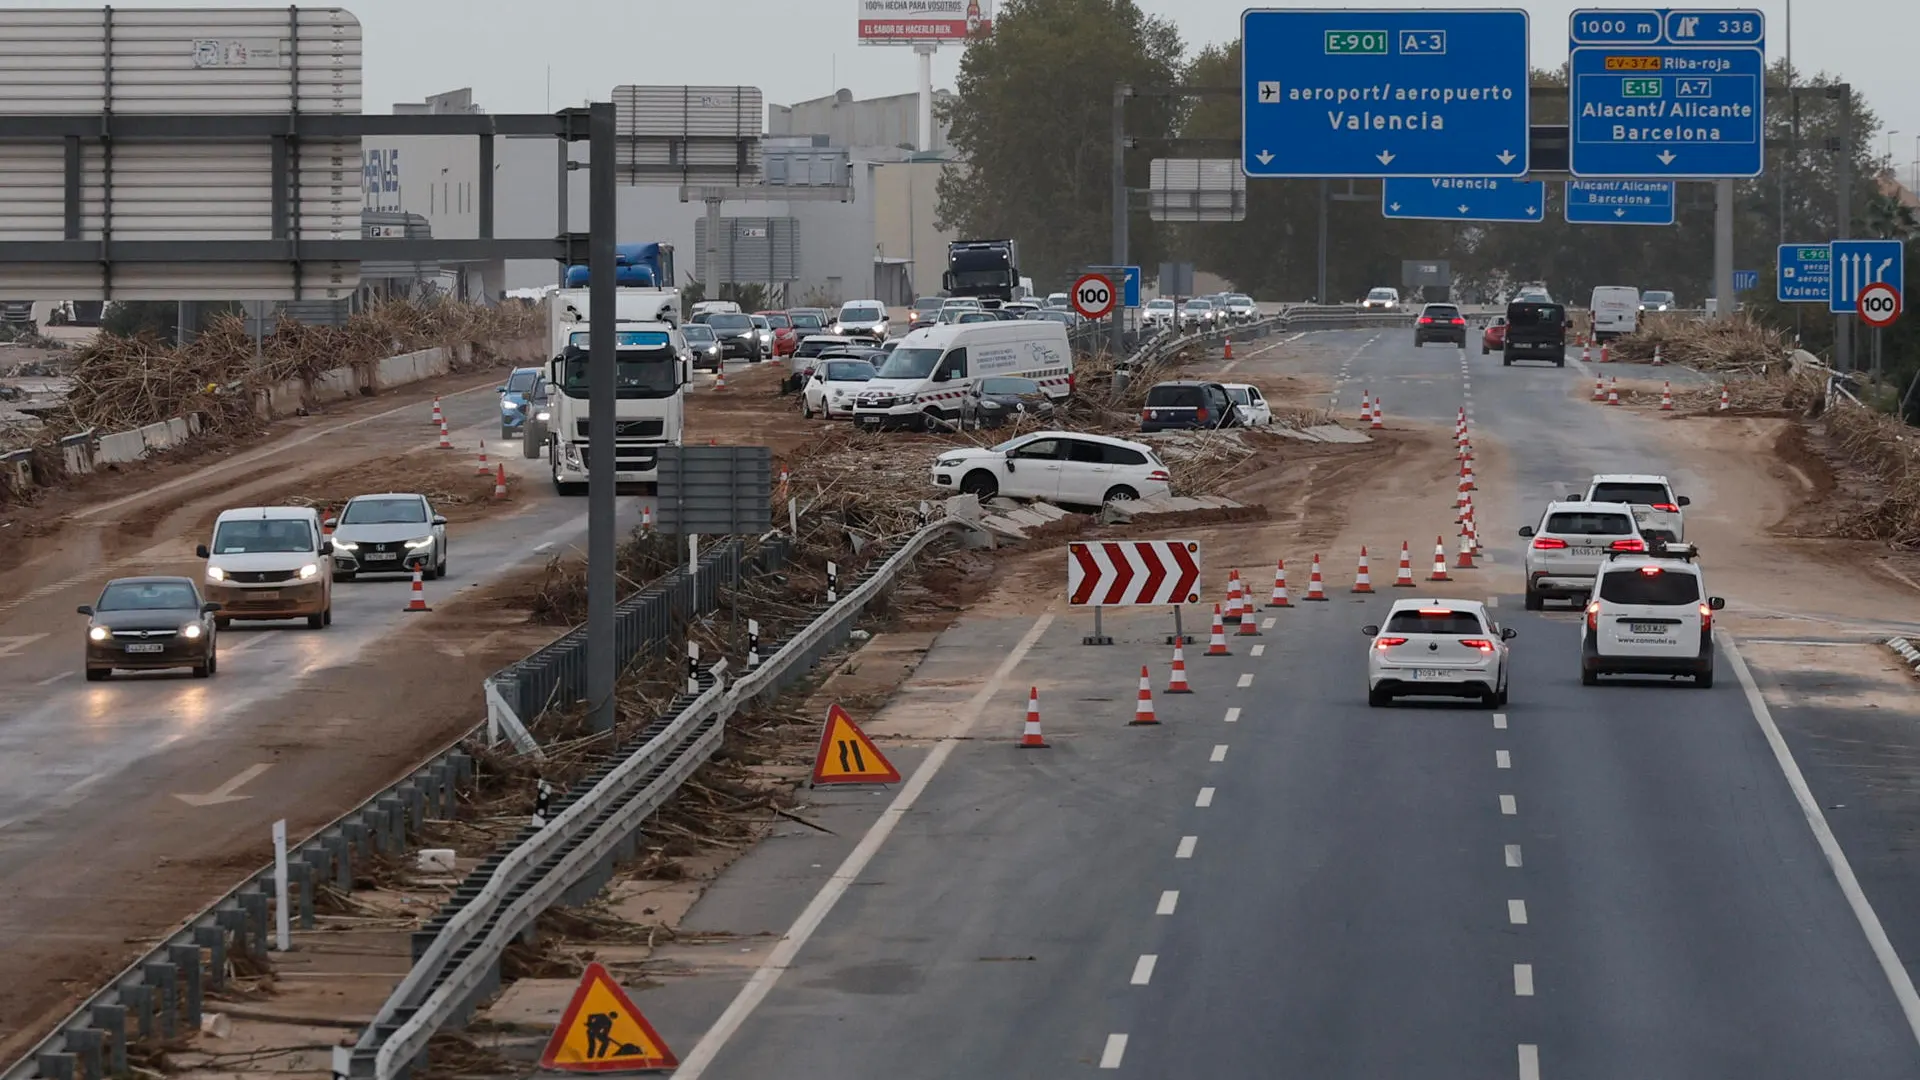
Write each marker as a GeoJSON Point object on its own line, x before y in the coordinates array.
{"type": "Point", "coordinates": [922, 22]}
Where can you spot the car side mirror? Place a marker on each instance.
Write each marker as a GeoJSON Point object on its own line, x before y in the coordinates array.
{"type": "Point", "coordinates": [499, 389]}
{"type": "Point", "coordinates": [1576, 498]}
{"type": "Point", "coordinates": [326, 547]}
{"type": "Point", "coordinates": [1508, 633]}
{"type": "Point", "coordinates": [438, 520]}
{"type": "Point", "coordinates": [1716, 603]}
{"type": "Point", "coordinates": [329, 523]}
{"type": "Point", "coordinates": [201, 552]}
{"type": "Point", "coordinates": [1683, 501]}
{"type": "Point", "coordinates": [1526, 530]}
{"type": "Point", "coordinates": [1370, 630]}
{"type": "Point", "coordinates": [210, 607]}
{"type": "Point", "coordinates": [85, 609]}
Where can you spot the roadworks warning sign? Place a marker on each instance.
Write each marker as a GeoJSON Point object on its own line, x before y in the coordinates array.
{"type": "Point", "coordinates": [601, 1032]}
{"type": "Point", "coordinates": [847, 756]}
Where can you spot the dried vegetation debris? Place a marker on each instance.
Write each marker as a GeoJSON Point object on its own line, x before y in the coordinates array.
{"type": "Point", "coordinates": [1732, 344]}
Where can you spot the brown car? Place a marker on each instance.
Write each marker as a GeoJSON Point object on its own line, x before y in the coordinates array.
{"type": "Point", "coordinates": [150, 624]}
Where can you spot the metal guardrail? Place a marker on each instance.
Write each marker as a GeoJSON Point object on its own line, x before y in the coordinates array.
{"type": "Point", "coordinates": [162, 994]}
{"type": "Point", "coordinates": [573, 857]}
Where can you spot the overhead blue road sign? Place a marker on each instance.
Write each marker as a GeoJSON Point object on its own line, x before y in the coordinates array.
{"type": "Point", "coordinates": [1746, 280]}
{"type": "Point", "coordinates": [1620, 202]}
{"type": "Point", "coordinates": [1130, 289]}
{"type": "Point", "coordinates": [1384, 93]}
{"type": "Point", "coordinates": [1688, 103]}
{"type": "Point", "coordinates": [1457, 199]}
{"type": "Point", "coordinates": [1860, 263]}
{"type": "Point", "coordinates": [1805, 274]}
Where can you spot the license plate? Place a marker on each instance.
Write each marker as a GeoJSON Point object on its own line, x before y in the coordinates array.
{"type": "Point", "coordinates": [1429, 673]}
{"type": "Point", "coordinates": [870, 420]}
{"type": "Point", "coordinates": [377, 556]}
{"type": "Point", "coordinates": [147, 647]}
{"type": "Point", "coordinates": [1646, 628]}
{"type": "Point", "coordinates": [264, 594]}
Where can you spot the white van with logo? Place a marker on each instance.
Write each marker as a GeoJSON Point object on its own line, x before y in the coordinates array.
{"type": "Point", "coordinates": [1616, 311]}
{"type": "Point", "coordinates": [925, 381]}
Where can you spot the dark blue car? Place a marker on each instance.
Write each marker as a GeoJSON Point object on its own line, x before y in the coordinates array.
{"type": "Point", "coordinates": [524, 389]}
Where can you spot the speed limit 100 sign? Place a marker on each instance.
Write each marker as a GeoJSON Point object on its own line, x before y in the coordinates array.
{"type": "Point", "coordinates": [1879, 304]}
{"type": "Point", "coordinates": [1093, 296]}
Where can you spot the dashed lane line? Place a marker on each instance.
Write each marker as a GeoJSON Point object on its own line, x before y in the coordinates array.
{"type": "Point", "coordinates": [1502, 760]}
{"type": "Point", "coordinates": [1259, 650]}
{"type": "Point", "coordinates": [1186, 846]}
{"type": "Point", "coordinates": [1529, 1062]}
{"type": "Point", "coordinates": [1517, 912]}
{"type": "Point", "coordinates": [1219, 753]}
{"type": "Point", "coordinates": [1267, 624]}
{"type": "Point", "coordinates": [1116, 1049]}
{"type": "Point", "coordinates": [1246, 680]}
{"type": "Point", "coordinates": [1143, 969]}
{"type": "Point", "coordinates": [1169, 900]}
{"type": "Point", "coordinates": [1523, 980]}
{"type": "Point", "coordinates": [1233, 715]}
{"type": "Point", "coordinates": [1513, 855]}
{"type": "Point", "coordinates": [1205, 798]}
{"type": "Point", "coordinates": [1507, 806]}
{"type": "Point", "coordinates": [1500, 721]}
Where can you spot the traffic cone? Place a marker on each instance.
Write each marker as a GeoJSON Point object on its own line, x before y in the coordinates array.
{"type": "Point", "coordinates": [1177, 684]}
{"type": "Point", "coordinates": [445, 443]}
{"type": "Point", "coordinates": [1143, 710]}
{"type": "Point", "coordinates": [1466, 473]}
{"type": "Point", "coordinates": [1403, 579]}
{"type": "Point", "coordinates": [1658, 360]}
{"type": "Point", "coordinates": [1377, 425]}
{"type": "Point", "coordinates": [1366, 407]}
{"type": "Point", "coordinates": [1586, 353]}
{"type": "Point", "coordinates": [1316, 588]}
{"type": "Point", "coordinates": [500, 482]}
{"type": "Point", "coordinates": [720, 378]}
{"type": "Point", "coordinates": [1465, 561]}
{"type": "Point", "coordinates": [1362, 583]}
{"type": "Point", "coordinates": [1599, 388]}
{"type": "Point", "coordinates": [1439, 560]}
{"type": "Point", "coordinates": [1613, 391]}
{"type": "Point", "coordinates": [1235, 601]}
{"type": "Point", "coordinates": [1227, 352]}
{"type": "Point", "coordinates": [1030, 738]}
{"type": "Point", "coordinates": [419, 599]}
{"type": "Point", "coordinates": [1217, 644]}
{"type": "Point", "coordinates": [439, 420]}
{"type": "Point", "coordinates": [646, 519]}
{"type": "Point", "coordinates": [1666, 397]}
{"type": "Point", "coordinates": [1249, 626]}
{"type": "Point", "coordinates": [1460, 506]}
{"type": "Point", "coordinates": [1726, 398]}
{"type": "Point", "coordinates": [1605, 356]}
{"type": "Point", "coordinates": [1279, 597]}
{"type": "Point", "coordinates": [484, 468]}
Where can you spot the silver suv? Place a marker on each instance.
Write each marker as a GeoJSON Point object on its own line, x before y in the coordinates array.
{"type": "Point", "coordinates": [1650, 615]}
{"type": "Point", "coordinates": [1655, 507]}
{"type": "Point", "coordinates": [1569, 545]}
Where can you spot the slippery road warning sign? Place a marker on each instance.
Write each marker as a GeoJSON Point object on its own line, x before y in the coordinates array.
{"type": "Point", "coordinates": [601, 1031]}
{"type": "Point", "coordinates": [847, 756]}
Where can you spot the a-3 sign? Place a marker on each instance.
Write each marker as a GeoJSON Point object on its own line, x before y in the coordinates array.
{"type": "Point", "coordinates": [1093, 296]}
{"type": "Point", "coordinates": [1860, 263]}
{"type": "Point", "coordinates": [1806, 274]}
{"type": "Point", "coordinates": [1330, 93]}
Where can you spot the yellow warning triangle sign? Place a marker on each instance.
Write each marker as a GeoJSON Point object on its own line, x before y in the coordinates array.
{"type": "Point", "coordinates": [847, 756]}
{"type": "Point", "coordinates": [601, 1031]}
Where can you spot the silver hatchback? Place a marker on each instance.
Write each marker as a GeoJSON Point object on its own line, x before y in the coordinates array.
{"type": "Point", "coordinates": [1569, 546]}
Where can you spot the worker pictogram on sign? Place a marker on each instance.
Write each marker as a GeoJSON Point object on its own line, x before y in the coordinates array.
{"type": "Point", "coordinates": [601, 1031]}
{"type": "Point", "coordinates": [847, 756]}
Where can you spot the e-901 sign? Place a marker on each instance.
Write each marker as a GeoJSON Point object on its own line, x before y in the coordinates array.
{"type": "Point", "coordinates": [1093, 296]}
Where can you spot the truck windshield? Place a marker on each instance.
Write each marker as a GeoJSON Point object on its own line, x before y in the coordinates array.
{"type": "Point", "coordinates": [984, 277]}
{"type": "Point", "coordinates": [909, 363]}
{"type": "Point", "coordinates": [641, 373]}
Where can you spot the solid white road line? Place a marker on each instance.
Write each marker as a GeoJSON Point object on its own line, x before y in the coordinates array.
{"type": "Point", "coordinates": [1502, 760]}
{"type": "Point", "coordinates": [1500, 721]}
{"type": "Point", "coordinates": [1523, 980]}
{"type": "Point", "coordinates": [783, 955]}
{"type": "Point", "coordinates": [1246, 680]}
{"type": "Point", "coordinates": [1219, 753]}
{"type": "Point", "coordinates": [1517, 912]}
{"type": "Point", "coordinates": [1143, 969]}
{"type": "Point", "coordinates": [1168, 901]}
{"type": "Point", "coordinates": [1233, 715]}
{"type": "Point", "coordinates": [1259, 650]}
{"type": "Point", "coordinates": [1529, 1062]}
{"type": "Point", "coordinates": [1513, 854]}
{"type": "Point", "coordinates": [1507, 805]}
{"type": "Point", "coordinates": [1109, 1058]}
{"type": "Point", "coordinates": [1205, 798]}
{"type": "Point", "coordinates": [1185, 850]}
{"type": "Point", "coordinates": [1863, 912]}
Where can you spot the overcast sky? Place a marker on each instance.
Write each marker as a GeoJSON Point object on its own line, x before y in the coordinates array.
{"type": "Point", "coordinates": [798, 49]}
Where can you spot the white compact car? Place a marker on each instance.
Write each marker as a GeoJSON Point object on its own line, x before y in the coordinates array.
{"type": "Point", "coordinates": [833, 386]}
{"type": "Point", "coordinates": [1160, 313]}
{"type": "Point", "coordinates": [1059, 466]}
{"type": "Point", "coordinates": [1650, 615]}
{"type": "Point", "coordinates": [1253, 409]}
{"type": "Point", "coordinates": [1382, 299]}
{"type": "Point", "coordinates": [1199, 314]}
{"type": "Point", "coordinates": [1569, 545]}
{"type": "Point", "coordinates": [393, 533]}
{"type": "Point", "coordinates": [1437, 648]}
{"type": "Point", "coordinates": [1656, 508]}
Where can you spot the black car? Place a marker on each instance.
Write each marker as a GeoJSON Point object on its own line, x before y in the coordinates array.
{"type": "Point", "coordinates": [149, 624]}
{"type": "Point", "coordinates": [1536, 330]}
{"type": "Point", "coordinates": [1185, 405]}
{"type": "Point", "coordinates": [998, 399]}
{"type": "Point", "coordinates": [1440, 322]}
{"type": "Point", "coordinates": [738, 336]}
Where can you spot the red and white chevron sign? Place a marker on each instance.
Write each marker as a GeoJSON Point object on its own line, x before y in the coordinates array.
{"type": "Point", "coordinates": [1133, 573]}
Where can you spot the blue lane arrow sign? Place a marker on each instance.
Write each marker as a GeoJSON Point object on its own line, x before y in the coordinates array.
{"type": "Point", "coordinates": [1328, 93]}
{"type": "Point", "coordinates": [1620, 202]}
{"type": "Point", "coordinates": [1746, 280]}
{"type": "Point", "coordinates": [1806, 274]}
{"type": "Point", "coordinates": [1860, 263]}
{"type": "Point", "coordinates": [1456, 199]}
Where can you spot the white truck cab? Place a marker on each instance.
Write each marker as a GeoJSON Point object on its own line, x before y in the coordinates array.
{"type": "Point", "coordinates": [653, 366]}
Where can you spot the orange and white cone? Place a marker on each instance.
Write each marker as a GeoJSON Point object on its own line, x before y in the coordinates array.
{"type": "Point", "coordinates": [1613, 391]}
{"type": "Point", "coordinates": [646, 519]}
{"type": "Point", "coordinates": [1403, 578]}
{"type": "Point", "coordinates": [1586, 352]}
{"type": "Point", "coordinates": [1217, 644]}
{"type": "Point", "coordinates": [445, 442]}
{"type": "Point", "coordinates": [418, 602]}
{"type": "Point", "coordinates": [439, 419]}
{"type": "Point", "coordinates": [1235, 609]}
{"type": "Point", "coordinates": [1658, 360]}
{"type": "Point", "coordinates": [1377, 423]}
{"type": "Point", "coordinates": [1250, 625]}
{"type": "Point", "coordinates": [720, 378]}
{"type": "Point", "coordinates": [1466, 473]}
{"type": "Point", "coordinates": [1143, 709]}
{"type": "Point", "coordinates": [1361, 582]}
{"type": "Point", "coordinates": [1030, 737]}
{"type": "Point", "coordinates": [500, 482]}
{"type": "Point", "coordinates": [1316, 588]}
{"type": "Point", "coordinates": [1599, 388]}
{"type": "Point", "coordinates": [1465, 561]}
{"type": "Point", "coordinates": [1439, 560]}
{"type": "Point", "coordinates": [1177, 683]}
{"type": "Point", "coordinates": [1605, 356]}
{"type": "Point", "coordinates": [1366, 406]}
{"type": "Point", "coordinates": [484, 467]}
{"type": "Point", "coordinates": [1226, 352]}
{"type": "Point", "coordinates": [1726, 398]}
{"type": "Point", "coordinates": [1666, 397]}
{"type": "Point", "coordinates": [1279, 597]}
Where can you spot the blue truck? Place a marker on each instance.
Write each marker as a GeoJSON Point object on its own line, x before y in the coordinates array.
{"type": "Point", "coordinates": [648, 266]}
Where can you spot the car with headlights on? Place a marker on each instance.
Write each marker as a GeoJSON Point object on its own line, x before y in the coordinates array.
{"type": "Point", "coordinates": [394, 533]}
{"type": "Point", "coordinates": [1383, 298]}
{"type": "Point", "coordinates": [923, 311]}
{"type": "Point", "coordinates": [832, 386]}
{"type": "Point", "coordinates": [1241, 308]}
{"type": "Point", "coordinates": [1658, 300]}
{"type": "Point", "coordinates": [269, 563]}
{"type": "Point", "coordinates": [517, 396]}
{"type": "Point", "coordinates": [151, 624]}
{"type": "Point", "coordinates": [1438, 648]}
{"type": "Point", "coordinates": [737, 334]}
{"type": "Point", "coordinates": [863, 319]}
{"type": "Point", "coordinates": [1161, 313]}
{"type": "Point", "coordinates": [1058, 466]}
{"type": "Point", "coordinates": [765, 331]}
{"type": "Point", "coordinates": [998, 400]}
{"type": "Point", "coordinates": [705, 346]}
{"type": "Point", "coordinates": [1199, 314]}
{"type": "Point", "coordinates": [785, 338]}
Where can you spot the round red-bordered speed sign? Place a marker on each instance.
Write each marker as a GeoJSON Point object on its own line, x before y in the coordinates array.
{"type": "Point", "coordinates": [1093, 296]}
{"type": "Point", "coordinates": [1878, 305]}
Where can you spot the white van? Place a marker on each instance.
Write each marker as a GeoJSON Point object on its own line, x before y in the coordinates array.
{"type": "Point", "coordinates": [270, 562]}
{"type": "Point", "coordinates": [1616, 311]}
{"type": "Point", "coordinates": [925, 381]}
{"type": "Point", "coordinates": [711, 307]}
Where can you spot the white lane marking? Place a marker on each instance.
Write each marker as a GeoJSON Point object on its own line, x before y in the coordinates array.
{"type": "Point", "coordinates": [1513, 854]}
{"type": "Point", "coordinates": [1523, 980]}
{"type": "Point", "coordinates": [1266, 624]}
{"type": "Point", "coordinates": [1246, 680]}
{"type": "Point", "coordinates": [1493, 601]}
{"type": "Point", "coordinates": [1205, 798]}
{"type": "Point", "coordinates": [1502, 760]}
{"type": "Point", "coordinates": [1185, 850]}
{"type": "Point", "coordinates": [1529, 1062]}
{"type": "Point", "coordinates": [11, 645]}
{"type": "Point", "coordinates": [54, 679]}
{"type": "Point", "coordinates": [1143, 969]}
{"type": "Point", "coordinates": [242, 645]}
{"type": "Point", "coordinates": [1863, 912]}
{"type": "Point", "coordinates": [1110, 1057]}
{"type": "Point", "coordinates": [1517, 912]}
{"type": "Point", "coordinates": [548, 546]}
{"type": "Point", "coordinates": [783, 954]}
{"type": "Point", "coordinates": [1168, 901]}
{"type": "Point", "coordinates": [1500, 721]}
{"type": "Point", "coordinates": [1259, 650]}
{"type": "Point", "coordinates": [1219, 753]}
{"type": "Point", "coordinates": [1233, 715]}
{"type": "Point", "coordinates": [1507, 805]}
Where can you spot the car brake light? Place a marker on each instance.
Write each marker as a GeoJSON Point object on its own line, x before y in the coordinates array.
{"type": "Point", "coordinates": [1070, 378]}
{"type": "Point", "coordinates": [1593, 615]}
{"type": "Point", "coordinates": [1650, 570]}
{"type": "Point", "coordinates": [1666, 508]}
{"type": "Point", "coordinates": [1160, 474]}
{"type": "Point", "coordinates": [1548, 543]}
{"type": "Point", "coordinates": [1459, 322]}
{"type": "Point", "coordinates": [1436, 611]}
{"type": "Point", "coordinates": [1477, 643]}
{"type": "Point", "coordinates": [1632, 543]}
{"type": "Point", "coordinates": [1388, 642]}
{"type": "Point", "coordinates": [1146, 414]}
{"type": "Point", "coordinates": [1200, 415]}
{"type": "Point", "coordinates": [1706, 618]}
{"type": "Point", "coordinates": [1424, 319]}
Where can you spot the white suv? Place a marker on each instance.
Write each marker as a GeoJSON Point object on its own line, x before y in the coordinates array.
{"type": "Point", "coordinates": [1650, 615]}
{"type": "Point", "coordinates": [1655, 507]}
{"type": "Point", "coordinates": [1437, 648]}
{"type": "Point", "coordinates": [1383, 299]}
{"type": "Point", "coordinates": [1569, 545]}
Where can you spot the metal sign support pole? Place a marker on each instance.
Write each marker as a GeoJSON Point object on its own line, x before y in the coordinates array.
{"type": "Point", "coordinates": [1098, 637]}
{"type": "Point", "coordinates": [602, 664]}
{"type": "Point", "coordinates": [1179, 633]}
